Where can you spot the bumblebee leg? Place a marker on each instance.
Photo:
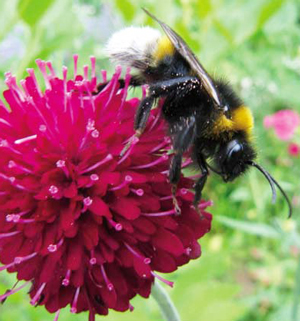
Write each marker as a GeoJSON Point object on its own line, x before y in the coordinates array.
{"type": "Point", "coordinates": [174, 176]}
{"type": "Point", "coordinates": [155, 91]}
{"type": "Point", "coordinates": [143, 112]}
{"type": "Point", "coordinates": [181, 84]}
{"type": "Point", "coordinates": [141, 117]}
{"type": "Point", "coordinates": [185, 133]}
{"type": "Point", "coordinates": [201, 182]}
{"type": "Point", "coordinates": [134, 82]}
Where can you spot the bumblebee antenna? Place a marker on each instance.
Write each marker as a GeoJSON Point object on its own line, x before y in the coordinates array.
{"type": "Point", "coordinates": [273, 183]}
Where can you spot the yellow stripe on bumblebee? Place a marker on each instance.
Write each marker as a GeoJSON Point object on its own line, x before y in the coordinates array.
{"type": "Point", "coordinates": [241, 120]}
{"type": "Point", "coordinates": [164, 48]}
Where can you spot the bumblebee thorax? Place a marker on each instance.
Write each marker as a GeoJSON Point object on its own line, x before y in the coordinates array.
{"type": "Point", "coordinates": [239, 119]}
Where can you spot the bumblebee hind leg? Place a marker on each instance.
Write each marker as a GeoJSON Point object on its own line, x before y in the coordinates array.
{"type": "Point", "coordinates": [184, 134]}
{"type": "Point", "coordinates": [201, 181]}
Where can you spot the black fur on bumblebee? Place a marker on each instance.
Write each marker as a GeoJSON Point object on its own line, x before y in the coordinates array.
{"type": "Point", "coordinates": [204, 115]}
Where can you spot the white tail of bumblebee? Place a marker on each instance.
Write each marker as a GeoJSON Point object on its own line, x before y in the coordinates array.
{"type": "Point", "coordinates": [133, 46]}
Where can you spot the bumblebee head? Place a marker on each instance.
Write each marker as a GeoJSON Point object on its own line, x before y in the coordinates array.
{"type": "Point", "coordinates": [233, 158]}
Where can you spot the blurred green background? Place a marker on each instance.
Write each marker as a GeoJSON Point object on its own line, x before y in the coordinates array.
{"type": "Point", "coordinates": [250, 266]}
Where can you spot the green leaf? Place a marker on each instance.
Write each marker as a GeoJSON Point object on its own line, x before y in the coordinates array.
{"type": "Point", "coordinates": [258, 229]}
{"type": "Point", "coordinates": [31, 11]}
{"type": "Point", "coordinates": [204, 8]}
{"type": "Point", "coordinates": [267, 11]}
{"type": "Point", "coordinates": [126, 8]}
{"type": "Point", "coordinates": [224, 31]}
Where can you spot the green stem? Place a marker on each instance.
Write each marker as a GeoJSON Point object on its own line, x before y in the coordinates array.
{"type": "Point", "coordinates": [296, 294]}
{"type": "Point", "coordinates": [166, 306]}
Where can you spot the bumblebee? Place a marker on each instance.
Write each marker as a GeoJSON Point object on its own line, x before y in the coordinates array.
{"type": "Point", "coordinates": [204, 115]}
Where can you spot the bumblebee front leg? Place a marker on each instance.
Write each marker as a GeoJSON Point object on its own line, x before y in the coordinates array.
{"type": "Point", "coordinates": [141, 117]}
{"type": "Point", "coordinates": [201, 182]}
{"type": "Point", "coordinates": [156, 90]}
{"type": "Point", "coordinates": [180, 84]}
{"type": "Point", "coordinates": [134, 82]}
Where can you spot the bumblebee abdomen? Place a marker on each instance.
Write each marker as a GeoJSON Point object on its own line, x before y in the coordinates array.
{"type": "Point", "coordinates": [133, 46]}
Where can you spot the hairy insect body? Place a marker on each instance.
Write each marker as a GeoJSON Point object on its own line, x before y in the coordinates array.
{"type": "Point", "coordinates": [204, 115]}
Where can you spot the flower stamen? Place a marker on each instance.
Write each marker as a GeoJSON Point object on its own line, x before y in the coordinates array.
{"type": "Point", "coordinates": [93, 259]}
{"type": "Point", "coordinates": [87, 201]}
{"type": "Point", "coordinates": [75, 300]}
{"type": "Point", "coordinates": [118, 226]}
{"type": "Point", "coordinates": [127, 180]}
{"type": "Point", "coordinates": [75, 59]}
{"type": "Point", "coordinates": [183, 165]}
{"type": "Point", "coordinates": [19, 259]}
{"type": "Point", "coordinates": [109, 285]}
{"type": "Point", "coordinates": [85, 72]}
{"type": "Point", "coordinates": [66, 280]}
{"type": "Point", "coordinates": [161, 159]}
{"type": "Point", "coordinates": [51, 69]}
{"type": "Point", "coordinates": [132, 141]}
{"type": "Point", "coordinates": [103, 161]}
{"type": "Point", "coordinates": [54, 247]}
{"type": "Point", "coordinates": [5, 122]}
{"type": "Point", "coordinates": [93, 66]}
{"type": "Point", "coordinates": [62, 164]}
{"type": "Point", "coordinates": [4, 235]}
{"type": "Point", "coordinates": [42, 66]}
{"type": "Point", "coordinates": [205, 204]}
{"type": "Point", "coordinates": [146, 260]}
{"type": "Point", "coordinates": [16, 218]}
{"type": "Point", "coordinates": [165, 198]}
{"type": "Point", "coordinates": [12, 291]}
{"type": "Point", "coordinates": [138, 192]}
{"type": "Point", "coordinates": [104, 75]}
{"type": "Point", "coordinates": [35, 299]}
{"type": "Point", "coordinates": [11, 82]}
{"type": "Point", "coordinates": [4, 143]}
{"type": "Point", "coordinates": [53, 189]}
{"type": "Point", "coordinates": [170, 212]}
{"type": "Point", "coordinates": [169, 283]}
{"type": "Point", "coordinates": [114, 83]}
{"type": "Point", "coordinates": [56, 315]}
{"type": "Point", "coordinates": [125, 89]}
{"type": "Point", "coordinates": [12, 164]}
{"type": "Point", "coordinates": [166, 141]}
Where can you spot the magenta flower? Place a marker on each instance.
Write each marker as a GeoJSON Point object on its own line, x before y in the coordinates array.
{"type": "Point", "coordinates": [294, 149]}
{"type": "Point", "coordinates": [85, 227]}
{"type": "Point", "coordinates": [284, 122]}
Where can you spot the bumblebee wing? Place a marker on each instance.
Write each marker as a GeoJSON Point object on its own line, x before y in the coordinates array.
{"type": "Point", "coordinates": [185, 51]}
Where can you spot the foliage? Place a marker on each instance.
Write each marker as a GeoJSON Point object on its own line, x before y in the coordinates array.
{"type": "Point", "coordinates": [247, 271]}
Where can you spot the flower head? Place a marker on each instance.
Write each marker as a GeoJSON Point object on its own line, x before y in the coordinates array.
{"type": "Point", "coordinates": [85, 227]}
{"type": "Point", "coordinates": [294, 149]}
{"type": "Point", "coordinates": [284, 122]}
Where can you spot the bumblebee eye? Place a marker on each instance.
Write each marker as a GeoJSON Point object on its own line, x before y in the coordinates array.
{"type": "Point", "coordinates": [233, 150]}
{"type": "Point", "coordinates": [232, 165]}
